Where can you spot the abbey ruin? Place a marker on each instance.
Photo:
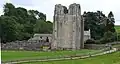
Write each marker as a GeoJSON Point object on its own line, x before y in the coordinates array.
{"type": "Point", "coordinates": [68, 28]}
{"type": "Point", "coordinates": [68, 32]}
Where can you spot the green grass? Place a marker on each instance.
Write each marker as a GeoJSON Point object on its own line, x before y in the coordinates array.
{"type": "Point", "coordinates": [113, 58]}
{"type": "Point", "coordinates": [117, 29]}
{"type": "Point", "coordinates": [19, 55]}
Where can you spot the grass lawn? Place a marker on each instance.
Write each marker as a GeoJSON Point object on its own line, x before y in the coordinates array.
{"type": "Point", "coordinates": [113, 58]}
{"type": "Point", "coordinates": [19, 55]}
{"type": "Point", "coordinates": [117, 29]}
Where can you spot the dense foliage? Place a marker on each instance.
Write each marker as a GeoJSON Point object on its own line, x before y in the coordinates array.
{"type": "Point", "coordinates": [118, 32]}
{"type": "Point", "coordinates": [101, 26]}
{"type": "Point", "coordinates": [20, 24]}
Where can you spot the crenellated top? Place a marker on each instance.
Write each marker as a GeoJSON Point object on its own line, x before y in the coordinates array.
{"type": "Point", "coordinates": [72, 10]}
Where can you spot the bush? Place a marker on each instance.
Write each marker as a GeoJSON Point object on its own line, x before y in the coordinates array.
{"type": "Point", "coordinates": [108, 37]}
{"type": "Point", "coordinates": [90, 41]}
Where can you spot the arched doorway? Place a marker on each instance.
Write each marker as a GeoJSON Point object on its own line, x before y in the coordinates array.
{"type": "Point", "coordinates": [47, 39]}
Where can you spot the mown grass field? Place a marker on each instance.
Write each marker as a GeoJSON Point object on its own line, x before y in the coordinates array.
{"type": "Point", "coordinates": [117, 29]}
{"type": "Point", "coordinates": [19, 55]}
{"type": "Point", "coordinates": [113, 58]}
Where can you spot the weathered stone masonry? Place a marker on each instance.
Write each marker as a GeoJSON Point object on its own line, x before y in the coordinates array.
{"type": "Point", "coordinates": [68, 28]}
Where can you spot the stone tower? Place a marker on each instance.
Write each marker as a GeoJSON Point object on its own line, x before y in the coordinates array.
{"type": "Point", "coordinates": [68, 30]}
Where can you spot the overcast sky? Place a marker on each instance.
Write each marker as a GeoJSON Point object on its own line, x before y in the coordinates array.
{"type": "Point", "coordinates": [47, 6]}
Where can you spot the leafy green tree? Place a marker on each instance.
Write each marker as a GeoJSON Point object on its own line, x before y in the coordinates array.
{"type": "Point", "coordinates": [49, 26]}
{"type": "Point", "coordinates": [94, 22]}
{"type": "Point", "coordinates": [9, 9]}
{"type": "Point", "coordinates": [108, 37]}
{"type": "Point", "coordinates": [36, 14]}
{"type": "Point", "coordinates": [17, 23]}
{"type": "Point", "coordinates": [42, 26]}
{"type": "Point", "coordinates": [110, 23]}
{"type": "Point", "coordinates": [98, 23]}
{"type": "Point", "coordinates": [8, 29]}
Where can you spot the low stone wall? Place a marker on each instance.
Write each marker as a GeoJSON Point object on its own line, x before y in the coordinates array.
{"type": "Point", "coordinates": [24, 45]}
{"type": "Point", "coordinates": [36, 45]}
{"type": "Point", "coordinates": [114, 43]}
{"type": "Point", "coordinates": [96, 46]}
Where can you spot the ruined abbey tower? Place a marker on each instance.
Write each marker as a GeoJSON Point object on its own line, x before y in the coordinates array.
{"type": "Point", "coordinates": [68, 28]}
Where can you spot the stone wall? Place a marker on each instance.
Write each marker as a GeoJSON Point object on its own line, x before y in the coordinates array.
{"type": "Point", "coordinates": [24, 45]}
{"type": "Point", "coordinates": [96, 46]}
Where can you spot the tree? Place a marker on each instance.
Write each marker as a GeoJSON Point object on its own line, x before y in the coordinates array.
{"type": "Point", "coordinates": [109, 37]}
{"type": "Point", "coordinates": [94, 22]}
{"type": "Point", "coordinates": [42, 26]}
{"type": "Point", "coordinates": [36, 14]}
{"type": "Point", "coordinates": [110, 22]}
{"type": "Point", "coordinates": [21, 24]}
{"type": "Point", "coordinates": [9, 9]}
{"type": "Point", "coordinates": [42, 16]}
{"type": "Point", "coordinates": [49, 26]}
{"type": "Point", "coordinates": [8, 29]}
{"type": "Point", "coordinates": [98, 23]}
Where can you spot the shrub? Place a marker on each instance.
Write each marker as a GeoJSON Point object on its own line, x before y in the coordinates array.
{"type": "Point", "coordinates": [108, 37]}
{"type": "Point", "coordinates": [90, 41]}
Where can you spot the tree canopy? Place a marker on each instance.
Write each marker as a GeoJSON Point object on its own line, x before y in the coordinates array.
{"type": "Point", "coordinates": [20, 23]}
{"type": "Point", "coordinates": [99, 24]}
